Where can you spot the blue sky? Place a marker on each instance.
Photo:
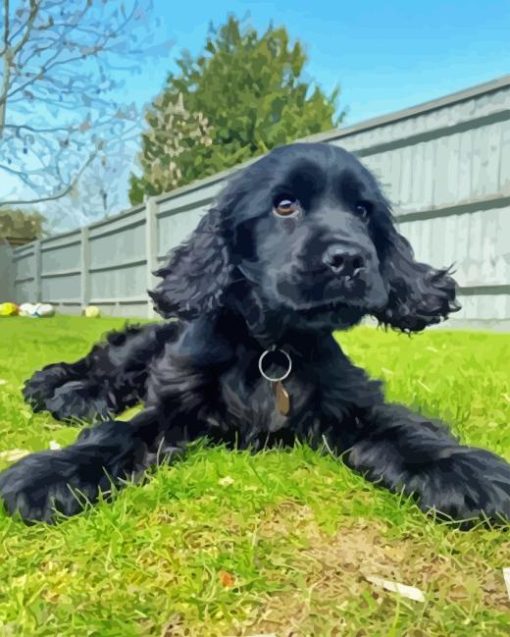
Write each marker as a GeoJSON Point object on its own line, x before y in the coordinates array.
{"type": "Point", "coordinates": [385, 55]}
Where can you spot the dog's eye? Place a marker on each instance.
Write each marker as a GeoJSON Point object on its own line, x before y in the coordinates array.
{"type": "Point", "coordinates": [362, 209]}
{"type": "Point", "coordinates": [286, 206]}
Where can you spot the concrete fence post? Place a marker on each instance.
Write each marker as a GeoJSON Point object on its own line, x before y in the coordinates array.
{"type": "Point", "coordinates": [37, 272]}
{"type": "Point", "coordinates": [7, 272]}
{"type": "Point", "coordinates": [151, 248]}
{"type": "Point", "coordinates": [85, 267]}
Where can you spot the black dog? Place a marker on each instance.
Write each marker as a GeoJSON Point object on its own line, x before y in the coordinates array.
{"type": "Point", "coordinates": [300, 243]}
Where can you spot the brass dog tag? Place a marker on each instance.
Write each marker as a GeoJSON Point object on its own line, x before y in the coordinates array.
{"type": "Point", "coordinates": [282, 398]}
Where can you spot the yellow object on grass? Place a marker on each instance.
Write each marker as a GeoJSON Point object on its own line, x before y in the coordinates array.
{"type": "Point", "coordinates": [8, 309]}
{"type": "Point", "coordinates": [92, 311]}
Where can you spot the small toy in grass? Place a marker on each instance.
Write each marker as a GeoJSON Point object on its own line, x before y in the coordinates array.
{"type": "Point", "coordinates": [26, 309]}
{"type": "Point", "coordinates": [9, 309]}
{"type": "Point", "coordinates": [44, 309]}
{"type": "Point", "coordinates": [92, 311]}
{"type": "Point", "coordinates": [36, 310]}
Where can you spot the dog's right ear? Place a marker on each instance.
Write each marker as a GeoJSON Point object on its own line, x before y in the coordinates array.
{"type": "Point", "coordinates": [197, 272]}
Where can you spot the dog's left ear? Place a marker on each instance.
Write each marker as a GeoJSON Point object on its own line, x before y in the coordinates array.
{"type": "Point", "coordinates": [419, 295]}
{"type": "Point", "coordinates": [197, 272]}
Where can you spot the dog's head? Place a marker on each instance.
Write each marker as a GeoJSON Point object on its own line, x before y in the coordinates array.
{"type": "Point", "coordinates": [305, 234]}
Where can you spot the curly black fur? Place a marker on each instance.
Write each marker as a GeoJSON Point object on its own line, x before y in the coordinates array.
{"type": "Point", "coordinates": [249, 279]}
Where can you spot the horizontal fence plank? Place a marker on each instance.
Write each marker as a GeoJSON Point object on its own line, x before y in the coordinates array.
{"type": "Point", "coordinates": [57, 273]}
{"type": "Point", "coordinates": [470, 290]}
{"type": "Point", "coordinates": [454, 106]}
{"type": "Point", "coordinates": [118, 265]}
{"type": "Point", "coordinates": [55, 239]}
{"type": "Point", "coordinates": [23, 280]}
{"type": "Point", "coordinates": [115, 228]}
{"type": "Point", "coordinates": [122, 300]}
{"type": "Point", "coordinates": [499, 200]}
{"type": "Point", "coordinates": [63, 301]}
{"type": "Point", "coordinates": [123, 216]}
{"type": "Point", "coordinates": [62, 242]}
{"type": "Point", "coordinates": [442, 132]}
{"type": "Point", "coordinates": [185, 204]}
{"type": "Point", "coordinates": [17, 256]}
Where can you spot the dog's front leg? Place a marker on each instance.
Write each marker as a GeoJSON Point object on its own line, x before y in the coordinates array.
{"type": "Point", "coordinates": [64, 480]}
{"type": "Point", "coordinates": [407, 452]}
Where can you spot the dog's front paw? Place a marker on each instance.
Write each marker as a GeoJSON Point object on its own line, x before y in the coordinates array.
{"type": "Point", "coordinates": [71, 400]}
{"type": "Point", "coordinates": [470, 485]}
{"type": "Point", "coordinates": [42, 484]}
{"type": "Point", "coordinates": [64, 481]}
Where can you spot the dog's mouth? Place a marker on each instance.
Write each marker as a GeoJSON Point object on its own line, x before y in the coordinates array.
{"type": "Point", "coordinates": [333, 309]}
{"type": "Point", "coordinates": [318, 308]}
{"type": "Point", "coordinates": [333, 303]}
{"type": "Point", "coordinates": [337, 313]}
{"type": "Point", "coordinates": [340, 305]}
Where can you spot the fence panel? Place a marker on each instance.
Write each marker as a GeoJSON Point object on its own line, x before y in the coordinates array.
{"type": "Point", "coordinates": [60, 271]}
{"type": "Point", "coordinates": [117, 264]}
{"type": "Point", "coordinates": [25, 273]}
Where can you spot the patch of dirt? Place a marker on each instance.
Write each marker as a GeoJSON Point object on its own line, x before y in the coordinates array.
{"type": "Point", "coordinates": [324, 574]}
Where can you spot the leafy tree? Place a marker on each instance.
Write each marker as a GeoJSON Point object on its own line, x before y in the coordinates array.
{"type": "Point", "coordinates": [243, 95]}
{"type": "Point", "coordinates": [21, 226]}
{"type": "Point", "coordinates": [60, 65]}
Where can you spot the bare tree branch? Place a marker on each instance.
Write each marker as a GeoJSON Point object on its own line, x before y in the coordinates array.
{"type": "Point", "coordinates": [38, 131]}
{"type": "Point", "coordinates": [58, 195]}
{"type": "Point", "coordinates": [5, 43]}
{"type": "Point", "coordinates": [61, 62]}
{"type": "Point", "coordinates": [34, 7]}
{"type": "Point", "coordinates": [9, 53]}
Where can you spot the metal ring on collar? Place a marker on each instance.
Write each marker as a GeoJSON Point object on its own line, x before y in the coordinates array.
{"type": "Point", "coordinates": [263, 355]}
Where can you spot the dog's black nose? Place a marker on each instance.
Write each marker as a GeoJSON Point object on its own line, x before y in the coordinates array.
{"type": "Point", "coordinates": [344, 261]}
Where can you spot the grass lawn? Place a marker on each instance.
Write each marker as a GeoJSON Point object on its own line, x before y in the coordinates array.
{"type": "Point", "coordinates": [278, 543]}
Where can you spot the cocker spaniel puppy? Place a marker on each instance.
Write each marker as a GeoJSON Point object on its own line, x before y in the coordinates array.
{"type": "Point", "coordinates": [299, 244]}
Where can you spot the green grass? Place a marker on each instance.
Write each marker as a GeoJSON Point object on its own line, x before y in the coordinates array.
{"type": "Point", "coordinates": [280, 542]}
